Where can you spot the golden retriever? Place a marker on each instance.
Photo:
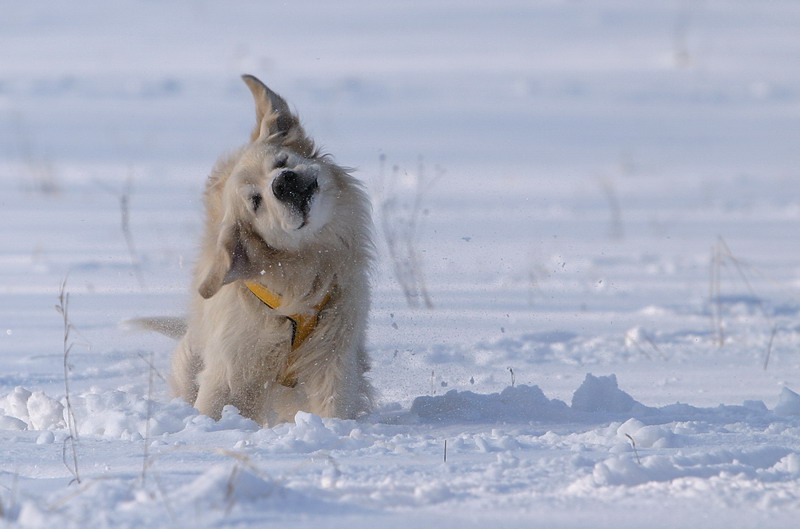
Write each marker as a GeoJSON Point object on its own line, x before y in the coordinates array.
{"type": "Point", "coordinates": [281, 289]}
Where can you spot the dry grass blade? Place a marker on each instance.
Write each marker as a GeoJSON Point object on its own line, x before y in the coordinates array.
{"type": "Point", "coordinates": [631, 338]}
{"type": "Point", "coordinates": [74, 494]}
{"type": "Point", "coordinates": [721, 256]}
{"type": "Point", "coordinates": [769, 346]}
{"type": "Point", "coordinates": [715, 300]}
{"type": "Point", "coordinates": [635, 451]}
{"type": "Point", "coordinates": [146, 439]}
{"type": "Point", "coordinates": [152, 367]}
{"type": "Point", "coordinates": [125, 225]}
{"type": "Point", "coordinates": [124, 206]}
{"type": "Point", "coordinates": [230, 489]}
{"type": "Point", "coordinates": [401, 226]}
{"type": "Point", "coordinates": [63, 309]}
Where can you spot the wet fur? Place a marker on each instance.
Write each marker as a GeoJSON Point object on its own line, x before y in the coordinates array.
{"type": "Point", "coordinates": [235, 347]}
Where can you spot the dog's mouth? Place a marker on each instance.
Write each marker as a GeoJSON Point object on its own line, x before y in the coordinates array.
{"type": "Point", "coordinates": [297, 192]}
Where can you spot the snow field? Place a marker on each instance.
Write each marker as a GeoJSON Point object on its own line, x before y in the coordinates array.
{"type": "Point", "coordinates": [396, 458]}
{"type": "Point", "coordinates": [586, 171]}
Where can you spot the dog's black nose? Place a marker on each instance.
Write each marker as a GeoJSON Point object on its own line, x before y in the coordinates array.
{"type": "Point", "coordinates": [294, 189]}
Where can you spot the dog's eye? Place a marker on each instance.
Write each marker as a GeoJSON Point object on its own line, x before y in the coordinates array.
{"type": "Point", "coordinates": [255, 201]}
{"type": "Point", "coordinates": [281, 161]}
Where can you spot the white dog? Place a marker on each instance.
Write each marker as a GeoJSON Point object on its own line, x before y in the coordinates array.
{"type": "Point", "coordinates": [279, 312]}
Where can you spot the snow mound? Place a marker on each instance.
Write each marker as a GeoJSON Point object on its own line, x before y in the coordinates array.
{"type": "Point", "coordinates": [32, 410]}
{"type": "Point", "coordinates": [229, 486]}
{"type": "Point", "coordinates": [641, 435]}
{"type": "Point", "coordinates": [767, 464]}
{"type": "Point", "coordinates": [122, 415]}
{"type": "Point", "coordinates": [788, 403]}
{"type": "Point", "coordinates": [310, 433]}
{"type": "Point", "coordinates": [12, 423]}
{"type": "Point", "coordinates": [513, 404]}
{"type": "Point", "coordinates": [526, 403]}
{"type": "Point", "coordinates": [231, 419]}
{"type": "Point", "coordinates": [113, 414]}
{"type": "Point", "coordinates": [222, 484]}
{"type": "Point", "coordinates": [598, 394]}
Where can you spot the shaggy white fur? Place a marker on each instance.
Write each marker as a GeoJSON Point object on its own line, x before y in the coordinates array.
{"type": "Point", "coordinates": [280, 214]}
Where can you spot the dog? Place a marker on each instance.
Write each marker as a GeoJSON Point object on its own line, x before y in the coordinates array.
{"type": "Point", "coordinates": [278, 314]}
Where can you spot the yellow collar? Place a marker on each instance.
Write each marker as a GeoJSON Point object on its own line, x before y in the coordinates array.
{"type": "Point", "coordinates": [302, 325]}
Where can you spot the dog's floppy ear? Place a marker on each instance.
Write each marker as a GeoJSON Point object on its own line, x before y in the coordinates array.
{"type": "Point", "coordinates": [273, 116]}
{"type": "Point", "coordinates": [275, 122]}
{"type": "Point", "coordinates": [230, 263]}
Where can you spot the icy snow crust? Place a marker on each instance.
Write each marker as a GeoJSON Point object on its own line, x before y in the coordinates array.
{"type": "Point", "coordinates": [608, 233]}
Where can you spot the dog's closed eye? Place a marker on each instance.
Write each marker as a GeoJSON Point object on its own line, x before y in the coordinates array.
{"type": "Point", "coordinates": [255, 201]}
{"type": "Point", "coordinates": [281, 161]}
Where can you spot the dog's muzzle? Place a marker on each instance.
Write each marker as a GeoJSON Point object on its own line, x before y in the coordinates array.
{"type": "Point", "coordinates": [295, 190]}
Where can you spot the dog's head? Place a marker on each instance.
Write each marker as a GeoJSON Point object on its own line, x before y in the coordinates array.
{"type": "Point", "coordinates": [276, 197]}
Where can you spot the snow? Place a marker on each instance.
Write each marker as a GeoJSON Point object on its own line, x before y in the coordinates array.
{"type": "Point", "coordinates": [608, 234]}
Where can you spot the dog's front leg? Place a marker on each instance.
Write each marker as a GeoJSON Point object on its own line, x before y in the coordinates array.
{"type": "Point", "coordinates": [214, 392]}
{"type": "Point", "coordinates": [337, 388]}
{"type": "Point", "coordinates": [249, 397]}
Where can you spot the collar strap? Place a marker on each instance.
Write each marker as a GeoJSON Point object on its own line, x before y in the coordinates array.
{"type": "Point", "coordinates": [302, 325]}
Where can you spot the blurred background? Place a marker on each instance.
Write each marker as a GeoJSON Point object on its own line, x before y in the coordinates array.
{"type": "Point", "coordinates": [673, 85]}
{"type": "Point", "coordinates": [568, 182]}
